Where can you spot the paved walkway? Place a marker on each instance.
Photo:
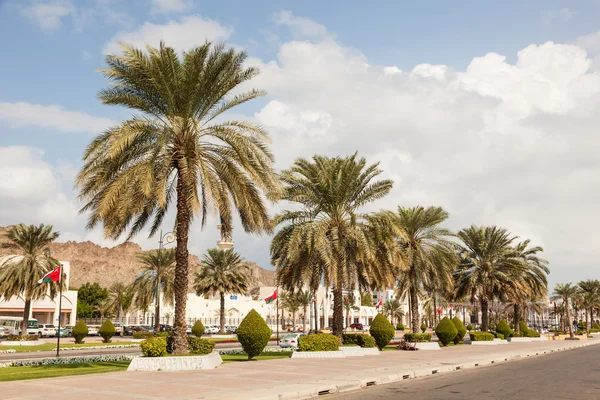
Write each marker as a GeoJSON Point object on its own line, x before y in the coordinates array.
{"type": "Point", "coordinates": [278, 379]}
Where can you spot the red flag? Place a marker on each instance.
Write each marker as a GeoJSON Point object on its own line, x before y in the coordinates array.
{"type": "Point", "coordinates": [379, 303]}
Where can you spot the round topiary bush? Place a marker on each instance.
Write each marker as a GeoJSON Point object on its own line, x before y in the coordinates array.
{"type": "Point", "coordinates": [460, 327]}
{"type": "Point", "coordinates": [446, 331]}
{"type": "Point", "coordinates": [469, 327]}
{"type": "Point", "coordinates": [503, 328]}
{"type": "Point", "coordinates": [423, 327]}
{"type": "Point", "coordinates": [107, 331]}
{"type": "Point", "coordinates": [253, 334]}
{"type": "Point", "coordinates": [80, 331]}
{"type": "Point", "coordinates": [319, 342]}
{"type": "Point", "coordinates": [382, 331]}
{"type": "Point", "coordinates": [154, 347]}
{"type": "Point", "coordinates": [400, 326]}
{"type": "Point", "coordinates": [523, 328]}
{"type": "Point", "coordinates": [198, 329]}
{"type": "Point", "coordinates": [596, 326]}
{"type": "Point", "coordinates": [200, 346]}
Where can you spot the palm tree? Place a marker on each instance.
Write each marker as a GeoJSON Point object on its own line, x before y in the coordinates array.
{"type": "Point", "coordinates": [291, 303]}
{"type": "Point", "coordinates": [304, 299]}
{"type": "Point", "coordinates": [487, 264]}
{"type": "Point", "coordinates": [119, 299]}
{"type": "Point", "coordinates": [431, 256]}
{"type": "Point", "coordinates": [20, 272]}
{"type": "Point", "coordinates": [393, 310]}
{"type": "Point", "coordinates": [566, 292]}
{"type": "Point", "coordinates": [329, 233]}
{"type": "Point", "coordinates": [221, 272]}
{"type": "Point", "coordinates": [157, 280]}
{"type": "Point", "coordinates": [559, 311]}
{"type": "Point", "coordinates": [349, 301]}
{"type": "Point", "coordinates": [177, 150]}
{"type": "Point", "coordinates": [590, 291]}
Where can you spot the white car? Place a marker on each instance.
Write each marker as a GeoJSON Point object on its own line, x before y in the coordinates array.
{"type": "Point", "coordinates": [290, 340]}
{"type": "Point", "coordinates": [211, 329]}
{"type": "Point", "coordinates": [46, 330]}
{"type": "Point", "coordinates": [93, 330]}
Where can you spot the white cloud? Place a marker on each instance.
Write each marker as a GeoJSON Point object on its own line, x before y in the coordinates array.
{"type": "Point", "coordinates": [188, 32]}
{"type": "Point", "coordinates": [49, 15]}
{"type": "Point", "coordinates": [56, 117]}
{"type": "Point", "coordinates": [171, 6]}
{"type": "Point", "coordinates": [300, 26]}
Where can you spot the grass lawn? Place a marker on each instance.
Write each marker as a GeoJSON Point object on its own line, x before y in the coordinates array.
{"type": "Point", "coordinates": [389, 348]}
{"type": "Point", "coordinates": [49, 371]}
{"type": "Point", "coordinates": [263, 356]}
{"type": "Point", "coordinates": [52, 346]}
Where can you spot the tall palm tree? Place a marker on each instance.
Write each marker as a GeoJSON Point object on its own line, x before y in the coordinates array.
{"type": "Point", "coordinates": [304, 299]}
{"type": "Point", "coordinates": [222, 272]}
{"type": "Point", "coordinates": [566, 293]}
{"type": "Point", "coordinates": [393, 310]}
{"type": "Point", "coordinates": [156, 280]}
{"type": "Point", "coordinates": [488, 261]}
{"type": "Point", "coordinates": [590, 291]}
{"type": "Point", "coordinates": [119, 299]}
{"type": "Point", "coordinates": [349, 301]}
{"type": "Point", "coordinates": [430, 254]}
{"type": "Point", "coordinates": [31, 259]}
{"type": "Point", "coordinates": [329, 231]}
{"type": "Point", "coordinates": [177, 151]}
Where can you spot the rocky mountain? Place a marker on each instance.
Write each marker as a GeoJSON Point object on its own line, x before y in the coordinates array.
{"type": "Point", "coordinates": [107, 265]}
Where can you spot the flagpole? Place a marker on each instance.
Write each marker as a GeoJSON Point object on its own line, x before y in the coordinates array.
{"type": "Point", "coordinates": [60, 282]}
{"type": "Point", "coordinates": [277, 319]}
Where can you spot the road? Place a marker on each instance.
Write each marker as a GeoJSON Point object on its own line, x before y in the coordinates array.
{"type": "Point", "coordinates": [573, 374]}
{"type": "Point", "coordinates": [94, 352]}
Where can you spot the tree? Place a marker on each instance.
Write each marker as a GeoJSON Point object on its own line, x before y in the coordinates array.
{"type": "Point", "coordinates": [177, 150]}
{"type": "Point", "coordinates": [488, 263]}
{"type": "Point", "coordinates": [156, 281]}
{"type": "Point", "coordinates": [304, 298]}
{"type": "Point", "coordinates": [366, 299]}
{"type": "Point", "coordinates": [222, 272]}
{"type": "Point", "coordinates": [119, 299]}
{"type": "Point", "coordinates": [393, 310]}
{"type": "Point", "coordinates": [349, 301]}
{"type": "Point", "coordinates": [89, 297]}
{"type": "Point", "coordinates": [431, 256]}
{"type": "Point", "coordinates": [566, 293]}
{"type": "Point", "coordinates": [289, 301]}
{"type": "Point", "coordinates": [32, 259]}
{"type": "Point", "coordinates": [329, 233]}
{"type": "Point", "coordinates": [590, 296]}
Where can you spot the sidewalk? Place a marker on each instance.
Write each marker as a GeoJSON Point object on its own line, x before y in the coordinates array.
{"type": "Point", "coordinates": [279, 379]}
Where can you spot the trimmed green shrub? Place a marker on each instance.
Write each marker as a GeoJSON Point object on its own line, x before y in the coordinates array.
{"type": "Point", "coordinates": [492, 327]}
{"type": "Point", "coordinates": [532, 333]}
{"type": "Point", "coordinates": [358, 339]}
{"type": "Point", "coordinates": [596, 326]}
{"type": "Point", "coordinates": [594, 330]}
{"type": "Point", "coordinates": [79, 331]}
{"type": "Point", "coordinates": [253, 334]}
{"type": "Point", "coordinates": [319, 342]}
{"type": "Point", "coordinates": [107, 331]}
{"type": "Point", "coordinates": [200, 346]}
{"type": "Point", "coordinates": [498, 335]}
{"type": "Point", "coordinates": [446, 331]}
{"type": "Point", "coordinates": [382, 331]}
{"type": "Point", "coordinates": [142, 335]}
{"type": "Point", "coordinates": [366, 341]}
{"type": "Point", "coordinates": [350, 338]}
{"type": "Point", "coordinates": [162, 334]}
{"type": "Point", "coordinates": [417, 337]}
{"type": "Point", "coordinates": [482, 336]}
{"type": "Point", "coordinates": [423, 327]}
{"type": "Point", "coordinates": [13, 338]}
{"type": "Point", "coordinates": [469, 327]}
{"type": "Point", "coordinates": [516, 334]}
{"type": "Point", "coordinates": [460, 327]}
{"type": "Point", "coordinates": [503, 328]}
{"type": "Point", "coordinates": [198, 329]}
{"type": "Point", "coordinates": [31, 337]}
{"type": "Point", "coordinates": [400, 326]}
{"type": "Point", "coordinates": [523, 328]}
{"type": "Point", "coordinates": [154, 347]}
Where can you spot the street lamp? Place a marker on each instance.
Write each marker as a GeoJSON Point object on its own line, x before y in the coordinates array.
{"type": "Point", "coordinates": [165, 239]}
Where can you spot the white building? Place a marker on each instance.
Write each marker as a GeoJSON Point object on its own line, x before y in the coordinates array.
{"type": "Point", "coordinates": [46, 310]}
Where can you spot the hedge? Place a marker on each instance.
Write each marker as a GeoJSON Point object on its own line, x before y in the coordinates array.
{"type": "Point", "coordinates": [359, 339]}
{"type": "Point", "coordinates": [469, 327]}
{"type": "Point", "coordinates": [382, 331]}
{"type": "Point", "coordinates": [460, 327]}
{"type": "Point", "coordinates": [400, 326]}
{"type": "Point", "coordinates": [319, 342]}
{"type": "Point", "coordinates": [198, 329]}
{"type": "Point", "coordinates": [253, 334]}
{"type": "Point", "coordinates": [367, 341]}
{"type": "Point", "coordinates": [142, 335]}
{"type": "Point", "coordinates": [200, 346]}
{"type": "Point", "coordinates": [503, 328]}
{"type": "Point", "coordinates": [532, 333]}
{"type": "Point", "coordinates": [481, 336]}
{"type": "Point", "coordinates": [596, 326]}
{"type": "Point", "coordinates": [79, 331]}
{"type": "Point", "coordinates": [417, 337]}
{"type": "Point", "coordinates": [154, 347]}
{"type": "Point", "coordinates": [423, 327]}
{"type": "Point", "coordinates": [523, 328]}
{"type": "Point", "coordinates": [446, 331]}
{"type": "Point", "coordinates": [107, 331]}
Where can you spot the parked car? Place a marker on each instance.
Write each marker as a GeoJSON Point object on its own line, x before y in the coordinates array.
{"type": "Point", "coordinates": [211, 329]}
{"type": "Point", "coordinates": [165, 328]}
{"type": "Point", "coordinates": [63, 332]}
{"type": "Point", "coordinates": [290, 340]}
{"type": "Point", "coordinates": [231, 328]}
{"type": "Point", "coordinates": [118, 328]}
{"type": "Point", "coordinates": [3, 332]}
{"type": "Point", "coordinates": [358, 326]}
{"type": "Point", "coordinates": [188, 329]}
{"type": "Point", "coordinates": [93, 330]}
{"type": "Point", "coordinates": [128, 330]}
{"type": "Point", "coordinates": [69, 330]}
{"type": "Point", "coordinates": [46, 330]}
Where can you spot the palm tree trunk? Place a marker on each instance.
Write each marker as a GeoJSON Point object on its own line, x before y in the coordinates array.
{"type": "Point", "coordinates": [568, 321]}
{"type": "Point", "coordinates": [338, 309]}
{"type": "Point", "coordinates": [484, 314]}
{"type": "Point", "coordinates": [435, 312]}
{"type": "Point", "coordinates": [180, 345]}
{"type": "Point", "coordinates": [316, 313]}
{"type": "Point", "coordinates": [26, 311]}
{"type": "Point", "coordinates": [586, 322]}
{"type": "Point", "coordinates": [517, 316]}
{"type": "Point", "coordinates": [222, 313]}
{"type": "Point", "coordinates": [591, 317]}
{"type": "Point", "coordinates": [304, 318]}
{"type": "Point", "coordinates": [157, 309]}
{"type": "Point", "coordinates": [414, 309]}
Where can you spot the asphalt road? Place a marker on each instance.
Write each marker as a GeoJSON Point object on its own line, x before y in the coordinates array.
{"type": "Point", "coordinates": [573, 374]}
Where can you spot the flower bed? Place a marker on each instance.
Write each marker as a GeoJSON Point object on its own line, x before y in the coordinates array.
{"type": "Point", "coordinates": [116, 346]}
{"type": "Point", "coordinates": [266, 350]}
{"type": "Point", "coordinates": [69, 360]}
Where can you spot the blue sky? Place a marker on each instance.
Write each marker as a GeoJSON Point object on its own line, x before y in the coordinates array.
{"type": "Point", "coordinates": [420, 86]}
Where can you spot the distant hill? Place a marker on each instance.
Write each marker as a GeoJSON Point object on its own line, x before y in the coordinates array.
{"type": "Point", "coordinates": [93, 263]}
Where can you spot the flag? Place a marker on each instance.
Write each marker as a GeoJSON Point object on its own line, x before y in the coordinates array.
{"type": "Point", "coordinates": [491, 310]}
{"type": "Point", "coordinates": [52, 276]}
{"type": "Point", "coordinates": [272, 297]}
{"type": "Point", "coordinates": [322, 302]}
{"type": "Point", "coordinates": [475, 297]}
{"type": "Point", "coordinates": [450, 308]}
{"type": "Point", "coordinates": [379, 303]}
{"type": "Point", "coordinates": [346, 302]}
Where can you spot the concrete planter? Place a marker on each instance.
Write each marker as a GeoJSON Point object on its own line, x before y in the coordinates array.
{"type": "Point", "coordinates": [355, 351]}
{"type": "Point", "coordinates": [427, 346]}
{"type": "Point", "coordinates": [319, 354]}
{"type": "Point", "coordinates": [520, 339]}
{"type": "Point", "coordinates": [23, 342]}
{"type": "Point", "coordinates": [183, 363]}
{"type": "Point", "coordinates": [494, 342]}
